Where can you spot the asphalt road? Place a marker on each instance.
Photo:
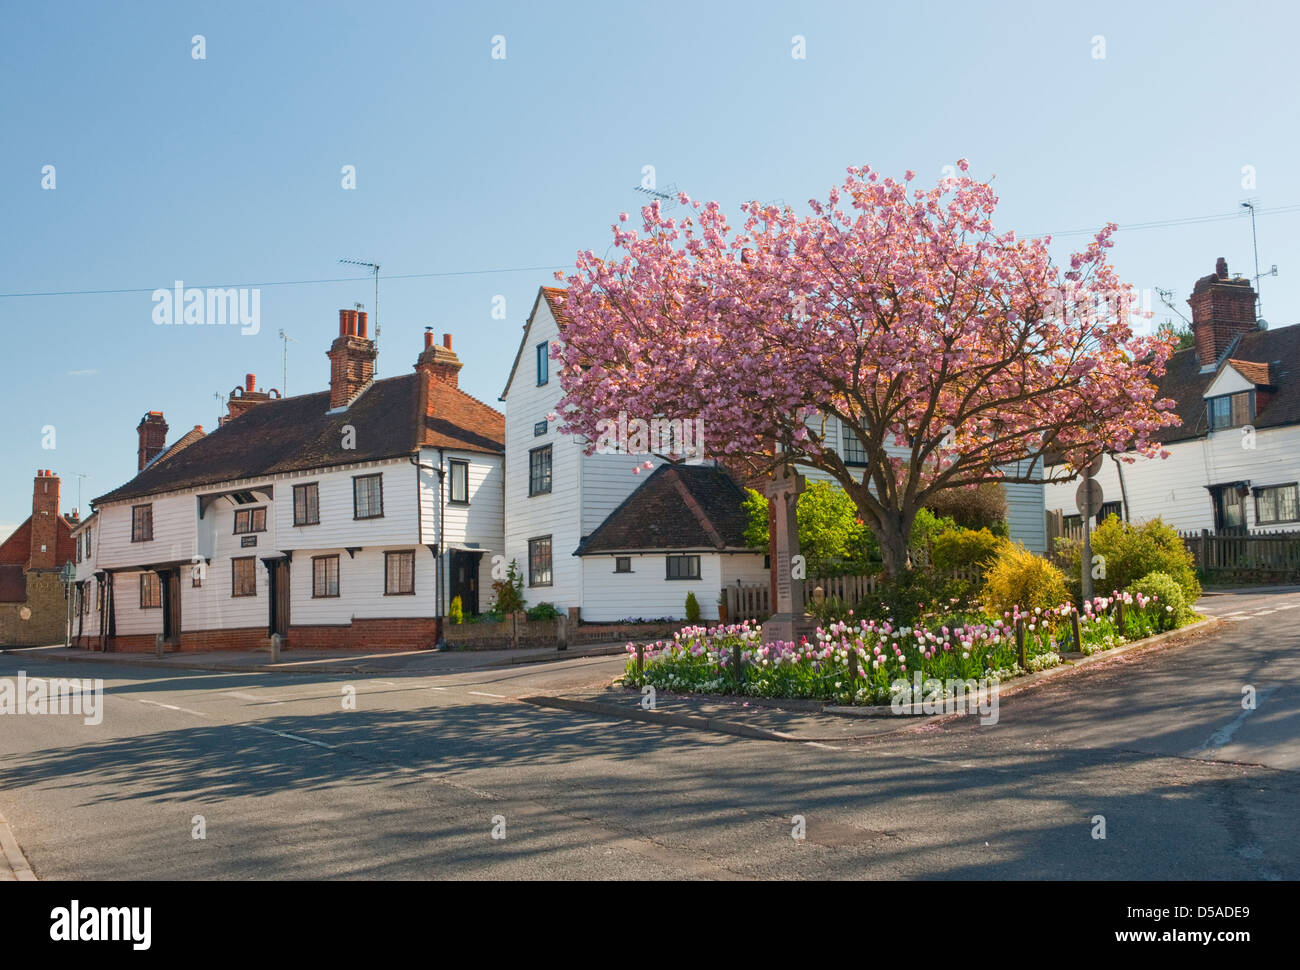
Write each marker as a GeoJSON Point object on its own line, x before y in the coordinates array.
{"type": "Point", "coordinates": [412, 782]}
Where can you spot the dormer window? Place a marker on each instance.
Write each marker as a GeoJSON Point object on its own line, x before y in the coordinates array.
{"type": "Point", "coordinates": [1231, 410]}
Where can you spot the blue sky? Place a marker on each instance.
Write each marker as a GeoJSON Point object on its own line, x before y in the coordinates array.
{"type": "Point", "coordinates": [227, 170]}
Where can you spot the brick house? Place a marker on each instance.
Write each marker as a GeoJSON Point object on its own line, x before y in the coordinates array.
{"type": "Point", "coordinates": [345, 517]}
{"type": "Point", "coordinates": [1234, 462]}
{"type": "Point", "coordinates": [33, 610]}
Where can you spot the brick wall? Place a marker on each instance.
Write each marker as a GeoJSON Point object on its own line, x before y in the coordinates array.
{"type": "Point", "coordinates": [413, 633]}
{"type": "Point", "coordinates": [48, 613]}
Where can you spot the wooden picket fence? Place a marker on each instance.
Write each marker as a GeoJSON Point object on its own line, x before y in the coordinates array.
{"type": "Point", "coordinates": [754, 601]}
{"type": "Point", "coordinates": [1264, 556]}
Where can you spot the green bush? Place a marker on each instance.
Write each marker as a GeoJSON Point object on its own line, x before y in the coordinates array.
{"type": "Point", "coordinates": [964, 549]}
{"type": "Point", "coordinates": [543, 611]}
{"type": "Point", "coordinates": [1168, 594]}
{"type": "Point", "coordinates": [509, 591]}
{"type": "Point", "coordinates": [1131, 552]}
{"type": "Point", "coordinates": [1017, 577]}
{"type": "Point", "coordinates": [456, 611]}
{"type": "Point", "coordinates": [692, 608]}
{"type": "Point", "coordinates": [981, 507]}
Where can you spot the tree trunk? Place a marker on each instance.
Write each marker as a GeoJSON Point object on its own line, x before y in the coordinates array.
{"type": "Point", "coordinates": [894, 534]}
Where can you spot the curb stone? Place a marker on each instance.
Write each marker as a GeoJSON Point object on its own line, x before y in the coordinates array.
{"type": "Point", "coordinates": [13, 855]}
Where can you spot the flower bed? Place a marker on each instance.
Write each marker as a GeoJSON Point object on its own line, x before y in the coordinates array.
{"type": "Point", "coordinates": [867, 662]}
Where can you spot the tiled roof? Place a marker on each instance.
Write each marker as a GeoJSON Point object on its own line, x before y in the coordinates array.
{"type": "Point", "coordinates": [1273, 353]}
{"type": "Point", "coordinates": [294, 433]}
{"type": "Point", "coordinates": [678, 507]}
{"type": "Point", "coordinates": [1253, 371]}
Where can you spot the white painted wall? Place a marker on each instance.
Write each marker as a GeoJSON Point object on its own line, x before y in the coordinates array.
{"type": "Point", "coordinates": [361, 588]}
{"type": "Point", "coordinates": [1174, 488]}
{"type": "Point", "coordinates": [608, 596]}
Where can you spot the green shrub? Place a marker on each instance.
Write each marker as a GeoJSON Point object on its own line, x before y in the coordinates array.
{"type": "Point", "coordinates": [1132, 552]}
{"type": "Point", "coordinates": [912, 594]}
{"type": "Point", "coordinates": [981, 507]}
{"type": "Point", "coordinates": [964, 549]}
{"type": "Point", "coordinates": [543, 611]}
{"type": "Point", "coordinates": [509, 591]}
{"type": "Point", "coordinates": [456, 611]}
{"type": "Point", "coordinates": [1017, 577]}
{"type": "Point", "coordinates": [692, 608]}
{"type": "Point", "coordinates": [1168, 594]}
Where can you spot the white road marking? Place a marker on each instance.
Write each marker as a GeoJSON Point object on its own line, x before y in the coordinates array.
{"type": "Point", "coordinates": [437, 688]}
{"type": "Point", "coordinates": [818, 744]}
{"type": "Point", "coordinates": [291, 737]}
{"type": "Point", "coordinates": [1265, 612]}
{"type": "Point", "coordinates": [171, 707]}
{"type": "Point", "coordinates": [1289, 606]}
{"type": "Point", "coordinates": [241, 696]}
{"type": "Point", "coordinates": [482, 693]}
{"type": "Point", "coordinates": [1222, 736]}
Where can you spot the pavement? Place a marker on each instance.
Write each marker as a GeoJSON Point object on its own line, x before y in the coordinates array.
{"type": "Point", "coordinates": [328, 661]}
{"type": "Point", "coordinates": [196, 774]}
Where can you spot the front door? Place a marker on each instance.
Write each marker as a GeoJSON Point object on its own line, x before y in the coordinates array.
{"type": "Point", "coordinates": [170, 579]}
{"type": "Point", "coordinates": [463, 569]}
{"type": "Point", "coordinates": [1229, 509]}
{"type": "Point", "coordinates": [279, 575]}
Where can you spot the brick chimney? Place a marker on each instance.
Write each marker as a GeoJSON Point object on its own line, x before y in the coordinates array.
{"type": "Point", "coordinates": [352, 358]}
{"type": "Point", "coordinates": [152, 431]}
{"type": "Point", "coordinates": [45, 521]}
{"type": "Point", "coordinates": [246, 396]}
{"type": "Point", "coordinates": [1222, 308]}
{"type": "Point", "coordinates": [440, 363]}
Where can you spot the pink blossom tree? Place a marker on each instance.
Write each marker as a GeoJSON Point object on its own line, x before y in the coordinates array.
{"type": "Point", "coordinates": [900, 320]}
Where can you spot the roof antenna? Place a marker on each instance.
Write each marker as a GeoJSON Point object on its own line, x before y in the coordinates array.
{"type": "Point", "coordinates": [1259, 302]}
{"type": "Point", "coordinates": [284, 380]}
{"type": "Point", "coordinates": [375, 268]}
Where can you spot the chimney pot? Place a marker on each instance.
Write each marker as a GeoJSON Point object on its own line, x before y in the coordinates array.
{"type": "Point", "coordinates": [343, 323]}
{"type": "Point", "coordinates": [361, 323]}
{"type": "Point", "coordinates": [250, 381]}
{"type": "Point", "coordinates": [446, 340]}
{"type": "Point", "coordinates": [428, 337]}
{"type": "Point", "coordinates": [1221, 268]}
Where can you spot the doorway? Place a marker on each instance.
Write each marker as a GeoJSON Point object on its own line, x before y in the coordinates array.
{"type": "Point", "coordinates": [462, 571]}
{"type": "Point", "coordinates": [278, 572]}
{"type": "Point", "coordinates": [170, 580]}
{"type": "Point", "coordinates": [1229, 508]}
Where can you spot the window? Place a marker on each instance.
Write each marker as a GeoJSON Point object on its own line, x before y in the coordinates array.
{"type": "Point", "coordinates": [1277, 503]}
{"type": "Point", "coordinates": [250, 520]}
{"type": "Point", "coordinates": [539, 428]}
{"type": "Point", "coordinates": [150, 591]}
{"type": "Point", "coordinates": [399, 574]}
{"type": "Point", "coordinates": [306, 504]}
{"type": "Point", "coordinates": [539, 561]}
{"type": "Point", "coordinates": [622, 564]}
{"type": "Point", "coordinates": [683, 567]}
{"type": "Point", "coordinates": [539, 470]}
{"type": "Point", "coordinates": [324, 576]}
{"type": "Point", "coordinates": [543, 363]}
{"type": "Point", "coordinates": [1231, 410]}
{"type": "Point", "coordinates": [852, 453]}
{"type": "Point", "coordinates": [86, 593]}
{"type": "Point", "coordinates": [243, 576]}
{"type": "Point", "coordinates": [79, 542]}
{"type": "Point", "coordinates": [141, 523]}
{"type": "Point", "coordinates": [459, 482]}
{"type": "Point", "coordinates": [196, 579]}
{"type": "Point", "coordinates": [368, 497]}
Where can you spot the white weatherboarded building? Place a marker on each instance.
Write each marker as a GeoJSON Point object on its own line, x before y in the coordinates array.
{"type": "Point", "coordinates": [1234, 462]}
{"type": "Point", "coordinates": [347, 517]}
